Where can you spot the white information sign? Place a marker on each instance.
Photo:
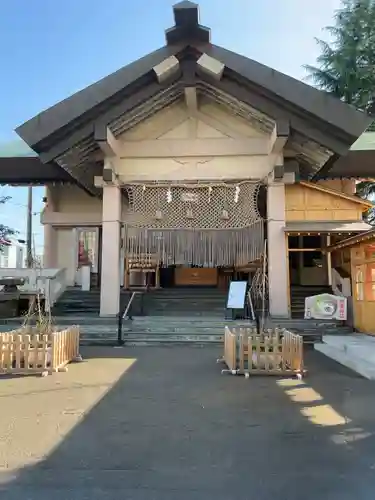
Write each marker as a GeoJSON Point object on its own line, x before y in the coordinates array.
{"type": "Point", "coordinates": [326, 306]}
{"type": "Point", "coordinates": [236, 295]}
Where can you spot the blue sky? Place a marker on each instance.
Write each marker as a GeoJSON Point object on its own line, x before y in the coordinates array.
{"type": "Point", "coordinates": [51, 49]}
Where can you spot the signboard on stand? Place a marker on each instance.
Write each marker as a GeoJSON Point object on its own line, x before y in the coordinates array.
{"type": "Point", "coordinates": [236, 296]}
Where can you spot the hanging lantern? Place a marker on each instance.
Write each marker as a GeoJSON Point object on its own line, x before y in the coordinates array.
{"type": "Point", "coordinates": [169, 195]}
{"type": "Point", "coordinates": [209, 193]}
{"type": "Point", "coordinates": [159, 214]}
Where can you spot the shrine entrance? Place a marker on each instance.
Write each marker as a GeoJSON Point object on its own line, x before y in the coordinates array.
{"type": "Point", "coordinates": [189, 276]}
{"type": "Point", "coordinates": [192, 234]}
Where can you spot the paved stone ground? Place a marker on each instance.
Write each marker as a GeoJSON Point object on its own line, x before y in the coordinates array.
{"type": "Point", "coordinates": [162, 423]}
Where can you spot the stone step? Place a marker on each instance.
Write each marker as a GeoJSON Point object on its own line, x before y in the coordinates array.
{"type": "Point", "coordinates": [209, 317]}
{"type": "Point", "coordinates": [167, 292]}
{"type": "Point", "coordinates": [167, 330]}
{"type": "Point", "coordinates": [101, 332]}
{"type": "Point", "coordinates": [169, 302]}
{"type": "Point", "coordinates": [140, 340]}
{"type": "Point", "coordinates": [181, 313]}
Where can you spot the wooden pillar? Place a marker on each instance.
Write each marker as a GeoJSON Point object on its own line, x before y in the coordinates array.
{"type": "Point", "coordinates": [300, 259]}
{"type": "Point", "coordinates": [329, 261]}
{"type": "Point", "coordinates": [110, 270]}
{"type": "Point", "coordinates": [157, 276]}
{"type": "Point", "coordinates": [288, 275]}
{"type": "Point", "coordinates": [277, 253]}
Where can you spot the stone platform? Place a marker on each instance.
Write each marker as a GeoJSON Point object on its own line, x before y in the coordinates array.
{"type": "Point", "coordinates": [355, 351]}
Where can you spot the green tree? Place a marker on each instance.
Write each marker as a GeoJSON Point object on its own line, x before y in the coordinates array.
{"type": "Point", "coordinates": [366, 189]}
{"type": "Point", "coordinates": [5, 231]}
{"type": "Point", "coordinates": [346, 65]}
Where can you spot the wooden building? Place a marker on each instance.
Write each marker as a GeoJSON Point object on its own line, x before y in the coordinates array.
{"type": "Point", "coordinates": [184, 162]}
{"type": "Point", "coordinates": [358, 254]}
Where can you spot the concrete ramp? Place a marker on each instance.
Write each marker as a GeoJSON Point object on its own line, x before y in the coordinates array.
{"type": "Point", "coordinates": [355, 351]}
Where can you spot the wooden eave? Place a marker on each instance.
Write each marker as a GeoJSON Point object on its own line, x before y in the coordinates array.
{"type": "Point", "coordinates": [352, 241]}
{"type": "Point", "coordinates": [356, 164]}
{"type": "Point", "coordinates": [31, 171]}
{"type": "Point", "coordinates": [318, 227]}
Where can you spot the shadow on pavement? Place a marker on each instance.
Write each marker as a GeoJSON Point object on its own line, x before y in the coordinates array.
{"type": "Point", "coordinates": [173, 427]}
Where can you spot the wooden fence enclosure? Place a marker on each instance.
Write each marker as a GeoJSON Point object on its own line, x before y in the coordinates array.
{"type": "Point", "coordinates": [26, 351]}
{"type": "Point", "coordinates": [274, 352]}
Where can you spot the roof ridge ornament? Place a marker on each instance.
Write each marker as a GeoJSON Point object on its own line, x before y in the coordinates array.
{"type": "Point", "coordinates": [187, 27]}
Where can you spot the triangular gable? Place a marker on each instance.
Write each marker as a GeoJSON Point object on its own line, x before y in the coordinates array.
{"type": "Point", "coordinates": [183, 130]}
{"type": "Point", "coordinates": [188, 34]}
{"type": "Point", "coordinates": [174, 122]}
{"type": "Point", "coordinates": [337, 194]}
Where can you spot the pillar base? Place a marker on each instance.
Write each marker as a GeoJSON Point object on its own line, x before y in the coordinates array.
{"type": "Point", "coordinates": [280, 316]}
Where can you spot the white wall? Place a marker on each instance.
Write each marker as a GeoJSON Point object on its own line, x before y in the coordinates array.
{"type": "Point", "coordinates": [13, 257]}
{"type": "Point", "coordinates": [71, 205]}
{"type": "Point", "coordinates": [66, 249]}
{"type": "Point", "coordinates": [72, 199]}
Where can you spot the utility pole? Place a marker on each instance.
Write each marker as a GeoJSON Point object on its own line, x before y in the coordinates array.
{"type": "Point", "coordinates": [29, 227]}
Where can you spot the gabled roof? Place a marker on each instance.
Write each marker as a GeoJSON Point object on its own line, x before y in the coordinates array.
{"type": "Point", "coordinates": [339, 194]}
{"type": "Point", "coordinates": [318, 103]}
{"type": "Point", "coordinates": [64, 112]}
{"type": "Point", "coordinates": [304, 98]}
{"type": "Point", "coordinates": [322, 127]}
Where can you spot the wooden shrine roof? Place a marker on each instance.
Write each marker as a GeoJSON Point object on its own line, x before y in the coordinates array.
{"type": "Point", "coordinates": [322, 127]}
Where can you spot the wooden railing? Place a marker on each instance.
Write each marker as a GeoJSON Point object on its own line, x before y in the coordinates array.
{"type": "Point", "coordinates": [274, 352]}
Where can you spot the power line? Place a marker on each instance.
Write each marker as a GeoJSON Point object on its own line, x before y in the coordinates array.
{"type": "Point", "coordinates": [22, 205]}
